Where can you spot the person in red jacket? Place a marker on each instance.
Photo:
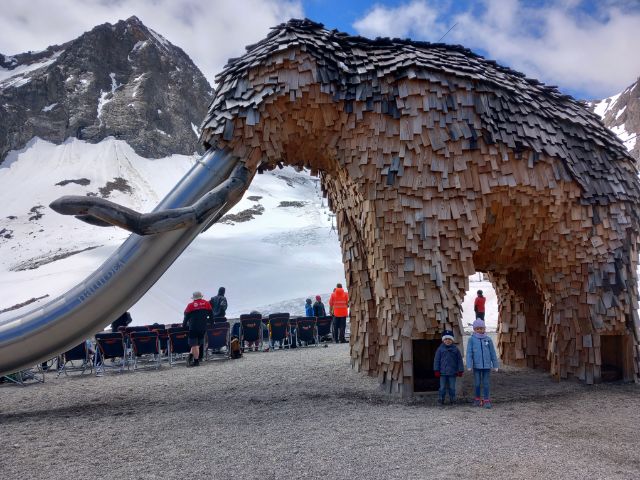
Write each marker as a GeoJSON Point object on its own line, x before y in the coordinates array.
{"type": "Point", "coordinates": [196, 316]}
{"type": "Point", "coordinates": [339, 307]}
{"type": "Point", "coordinates": [478, 305]}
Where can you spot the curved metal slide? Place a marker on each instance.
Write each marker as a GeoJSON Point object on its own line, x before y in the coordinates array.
{"type": "Point", "coordinates": [214, 184]}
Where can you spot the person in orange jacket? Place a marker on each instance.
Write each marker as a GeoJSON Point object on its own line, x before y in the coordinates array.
{"type": "Point", "coordinates": [339, 305]}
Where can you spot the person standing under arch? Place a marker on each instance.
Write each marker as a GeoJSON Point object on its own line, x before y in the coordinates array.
{"type": "Point", "coordinates": [339, 306]}
{"type": "Point", "coordinates": [478, 305]}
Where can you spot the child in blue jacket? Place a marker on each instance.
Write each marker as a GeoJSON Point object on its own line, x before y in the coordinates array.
{"type": "Point", "coordinates": [447, 366]}
{"type": "Point", "coordinates": [481, 358]}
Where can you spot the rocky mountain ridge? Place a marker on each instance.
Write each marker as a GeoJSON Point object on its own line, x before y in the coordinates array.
{"type": "Point", "coordinates": [621, 114]}
{"type": "Point", "coordinates": [122, 80]}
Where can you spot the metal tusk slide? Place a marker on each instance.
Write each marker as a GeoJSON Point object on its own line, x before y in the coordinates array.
{"type": "Point", "coordinates": [124, 277]}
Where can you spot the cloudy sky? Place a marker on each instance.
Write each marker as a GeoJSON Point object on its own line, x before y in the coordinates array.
{"type": "Point", "coordinates": [589, 48]}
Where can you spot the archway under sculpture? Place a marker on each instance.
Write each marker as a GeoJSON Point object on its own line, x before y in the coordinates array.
{"type": "Point", "coordinates": [439, 163]}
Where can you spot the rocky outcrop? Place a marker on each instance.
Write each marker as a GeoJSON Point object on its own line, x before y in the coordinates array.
{"type": "Point", "coordinates": [621, 114]}
{"type": "Point", "coordinates": [121, 80]}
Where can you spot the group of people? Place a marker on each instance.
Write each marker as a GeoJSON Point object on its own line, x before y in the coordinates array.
{"type": "Point", "coordinates": [338, 308]}
{"type": "Point", "coordinates": [448, 365]}
{"type": "Point", "coordinates": [481, 359]}
{"type": "Point", "coordinates": [200, 313]}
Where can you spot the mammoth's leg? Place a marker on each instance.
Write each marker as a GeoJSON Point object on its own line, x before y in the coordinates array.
{"type": "Point", "coordinates": [576, 322]}
{"type": "Point", "coordinates": [101, 212]}
{"type": "Point", "coordinates": [363, 319]}
{"type": "Point", "coordinates": [400, 297]}
{"type": "Point", "coordinates": [407, 278]}
{"type": "Point", "coordinates": [521, 330]}
{"type": "Point", "coordinates": [587, 304]}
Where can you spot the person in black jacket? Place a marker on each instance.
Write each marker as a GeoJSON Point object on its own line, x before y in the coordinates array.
{"type": "Point", "coordinates": [318, 308]}
{"type": "Point", "coordinates": [219, 304]}
{"type": "Point", "coordinates": [196, 316]}
{"type": "Point", "coordinates": [122, 321]}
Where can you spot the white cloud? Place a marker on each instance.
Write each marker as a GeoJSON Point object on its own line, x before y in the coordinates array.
{"type": "Point", "coordinates": [556, 41]}
{"type": "Point", "coordinates": [552, 40]}
{"type": "Point", "coordinates": [210, 32]}
{"type": "Point", "coordinates": [598, 56]}
{"type": "Point", "coordinates": [415, 19]}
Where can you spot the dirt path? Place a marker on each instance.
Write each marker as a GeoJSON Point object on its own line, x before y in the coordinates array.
{"type": "Point", "coordinates": [305, 414]}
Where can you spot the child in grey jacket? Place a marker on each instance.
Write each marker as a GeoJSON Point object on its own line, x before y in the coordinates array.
{"type": "Point", "coordinates": [481, 358]}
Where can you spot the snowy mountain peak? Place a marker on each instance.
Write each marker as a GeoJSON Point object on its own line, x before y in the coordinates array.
{"type": "Point", "coordinates": [621, 114]}
{"type": "Point", "coordinates": [122, 80]}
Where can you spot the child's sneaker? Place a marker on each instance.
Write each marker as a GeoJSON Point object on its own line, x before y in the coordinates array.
{"type": "Point", "coordinates": [487, 404]}
{"type": "Point", "coordinates": [440, 401]}
{"type": "Point", "coordinates": [452, 401]}
{"type": "Point", "coordinates": [477, 402]}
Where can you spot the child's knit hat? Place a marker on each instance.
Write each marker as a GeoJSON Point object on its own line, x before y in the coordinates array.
{"type": "Point", "coordinates": [447, 334]}
{"type": "Point", "coordinates": [478, 323]}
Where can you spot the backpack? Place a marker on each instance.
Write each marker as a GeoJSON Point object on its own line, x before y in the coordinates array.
{"type": "Point", "coordinates": [235, 350]}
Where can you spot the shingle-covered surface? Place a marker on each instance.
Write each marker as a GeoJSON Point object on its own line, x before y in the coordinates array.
{"type": "Point", "coordinates": [518, 111]}
{"type": "Point", "coordinates": [439, 163]}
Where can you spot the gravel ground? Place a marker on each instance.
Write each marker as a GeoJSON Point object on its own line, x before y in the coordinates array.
{"type": "Point", "coordinates": [305, 414]}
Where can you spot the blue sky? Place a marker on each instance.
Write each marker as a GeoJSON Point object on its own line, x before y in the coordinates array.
{"type": "Point", "coordinates": [588, 48]}
{"type": "Point", "coordinates": [344, 14]}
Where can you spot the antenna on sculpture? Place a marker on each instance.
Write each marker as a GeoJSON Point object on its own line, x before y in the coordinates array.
{"type": "Point", "coordinates": [454, 25]}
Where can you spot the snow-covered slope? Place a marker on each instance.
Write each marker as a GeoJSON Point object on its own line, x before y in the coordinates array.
{"type": "Point", "coordinates": [286, 252]}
